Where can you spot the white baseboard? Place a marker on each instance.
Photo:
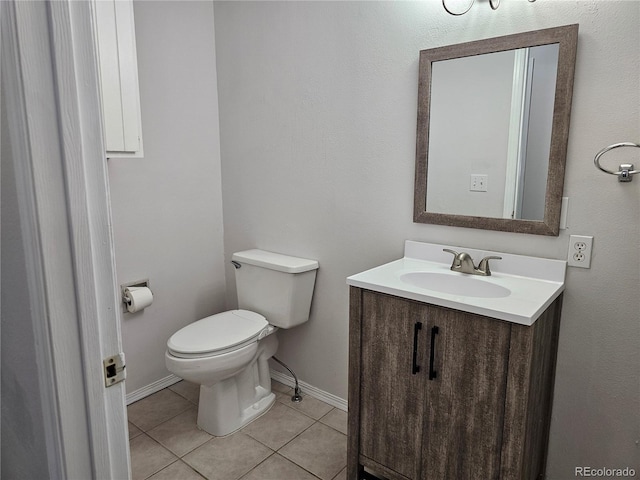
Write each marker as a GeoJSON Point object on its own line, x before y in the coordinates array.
{"type": "Point", "coordinates": [152, 388]}
{"type": "Point", "coordinates": [310, 390]}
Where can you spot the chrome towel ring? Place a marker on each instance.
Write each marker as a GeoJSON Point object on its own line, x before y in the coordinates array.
{"type": "Point", "coordinates": [493, 3]}
{"type": "Point", "coordinates": [626, 170]}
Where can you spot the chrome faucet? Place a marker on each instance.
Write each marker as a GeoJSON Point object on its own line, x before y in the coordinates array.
{"type": "Point", "coordinates": [463, 263]}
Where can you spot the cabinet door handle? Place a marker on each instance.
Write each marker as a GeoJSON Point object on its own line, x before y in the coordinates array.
{"type": "Point", "coordinates": [432, 373]}
{"type": "Point", "coordinates": [415, 367]}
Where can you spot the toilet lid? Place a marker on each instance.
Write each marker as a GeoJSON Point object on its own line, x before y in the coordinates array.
{"type": "Point", "coordinates": [219, 332]}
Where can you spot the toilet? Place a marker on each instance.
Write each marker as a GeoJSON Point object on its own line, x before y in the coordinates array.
{"type": "Point", "coordinates": [227, 354]}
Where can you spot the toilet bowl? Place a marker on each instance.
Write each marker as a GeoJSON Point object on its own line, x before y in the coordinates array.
{"type": "Point", "coordinates": [227, 354]}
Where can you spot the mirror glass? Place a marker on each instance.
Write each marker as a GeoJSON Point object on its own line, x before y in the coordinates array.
{"type": "Point", "coordinates": [493, 122]}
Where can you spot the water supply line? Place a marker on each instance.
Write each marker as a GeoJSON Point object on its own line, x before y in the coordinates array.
{"type": "Point", "coordinates": [297, 398]}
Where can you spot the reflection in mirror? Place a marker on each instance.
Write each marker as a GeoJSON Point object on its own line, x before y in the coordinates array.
{"type": "Point", "coordinates": [507, 132]}
{"type": "Point", "coordinates": [493, 121]}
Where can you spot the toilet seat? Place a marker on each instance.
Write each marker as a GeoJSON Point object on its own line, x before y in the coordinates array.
{"type": "Point", "coordinates": [218, 334]}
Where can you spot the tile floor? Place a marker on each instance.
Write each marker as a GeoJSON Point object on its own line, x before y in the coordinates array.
{"type": "Point", "coordinates": [293, 441]}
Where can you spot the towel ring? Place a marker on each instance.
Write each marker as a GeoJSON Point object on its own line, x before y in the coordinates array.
{"type": "Point", "coordinates": [626, 171]}
{"type": "Point", "coordinates": [451, 12]}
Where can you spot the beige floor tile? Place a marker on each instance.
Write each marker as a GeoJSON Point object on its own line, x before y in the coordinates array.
{"type": "Point", "coordinates": [177, 471]}
{"type": "Point", "coordinates": [133, 431]}
{"type": "Point", "coordinates": [283, 397]}
{"type": "Point", "coordinates": [278, 468]}
{"type": "Point", "coordinates": [180, 434]}
{"type": "Point", "coordinates": [278, 426]}
{"type": "Point", "coordinates": [148, 457]}
{"type": "Point", "coordinates": [227, 458]}
{"type": "Point", "coordinates": [310, 406]}
{"type": "Point", "coordinates": [155, 409]}
{"type": "Point", "coordinates": [188, 390]}
{"type": "Point", "coordinates": [337, 419]}
{"type": "Point", "coordinates": [341, 476]}
{"type": "Point", "coordinates": [320, 449]}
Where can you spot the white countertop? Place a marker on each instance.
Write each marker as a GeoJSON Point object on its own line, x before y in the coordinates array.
{"type": "Point", "coordinates": [534, 283]}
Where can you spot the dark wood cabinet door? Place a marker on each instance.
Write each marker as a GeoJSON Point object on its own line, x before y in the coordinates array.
{"type": "Point", "coordinates": [392, 392]}
{"type": "Point", "coordinates": [463, 428]}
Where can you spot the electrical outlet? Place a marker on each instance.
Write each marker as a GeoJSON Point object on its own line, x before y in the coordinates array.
{"type": "Point", "coordinates": [579, 254]}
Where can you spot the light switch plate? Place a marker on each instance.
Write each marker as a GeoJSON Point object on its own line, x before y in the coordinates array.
{"type": "Point", "coordinates": [478, 182]}
{"type": "Point", "coordinates": [564, 211]}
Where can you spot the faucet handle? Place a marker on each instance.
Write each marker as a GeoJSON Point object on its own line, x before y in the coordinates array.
{"type": "Point", "coordinates": [456, 256]}
{"type": "Point", "coordinates": [483, 266]}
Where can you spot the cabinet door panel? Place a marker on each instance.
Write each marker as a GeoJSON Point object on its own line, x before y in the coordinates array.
{"type": "Point", "coordinates": [465, 402]}
{"type": "Point", "coordinates": [117, 59]}
{"type": "Point", "coordinates": [392, 396]}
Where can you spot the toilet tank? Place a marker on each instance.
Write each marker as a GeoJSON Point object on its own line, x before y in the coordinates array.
{"type": "Point", "coordinates": [277, 286]}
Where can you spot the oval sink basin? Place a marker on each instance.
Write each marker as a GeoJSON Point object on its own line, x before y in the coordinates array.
{"type": "Point", "coordinates": [455, 284]}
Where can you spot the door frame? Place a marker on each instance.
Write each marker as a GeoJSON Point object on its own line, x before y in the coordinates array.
{"type": "Point", "coordinates": [50, 76]}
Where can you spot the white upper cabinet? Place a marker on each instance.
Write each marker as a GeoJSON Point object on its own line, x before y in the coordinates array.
{"type": "Point", "coordinates": [116, 41]}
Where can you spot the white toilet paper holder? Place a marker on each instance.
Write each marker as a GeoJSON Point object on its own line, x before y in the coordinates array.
{"type": "Point", "coordinates": [125, 300]}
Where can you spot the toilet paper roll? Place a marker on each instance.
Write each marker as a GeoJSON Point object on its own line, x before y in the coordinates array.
{"type": "Point", "coordinates": [137, 298]}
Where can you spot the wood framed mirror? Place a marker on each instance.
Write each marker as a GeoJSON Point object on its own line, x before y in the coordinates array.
{"type": "Point", "coordinates": [492, 133]}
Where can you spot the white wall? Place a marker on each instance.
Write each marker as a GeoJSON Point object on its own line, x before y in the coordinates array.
{"type": "Point", "coordinates": [167, 207]}
{"type": "Point", "coordinates": [318, 116]}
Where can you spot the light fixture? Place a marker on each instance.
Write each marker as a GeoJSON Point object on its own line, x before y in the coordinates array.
{"type": "Point", "coordinates": [466, 6]}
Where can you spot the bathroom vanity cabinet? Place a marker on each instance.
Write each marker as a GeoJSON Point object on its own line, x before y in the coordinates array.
{"type": "Point", "coordinates": [437, 393]}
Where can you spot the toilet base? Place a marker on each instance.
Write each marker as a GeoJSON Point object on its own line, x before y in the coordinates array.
{"type": "Point", "coordinates": [219, 424]}
{"type": "Point", "coordinates": [230, 404]}
{"type": "Point", "coordinates": [247, 416]}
